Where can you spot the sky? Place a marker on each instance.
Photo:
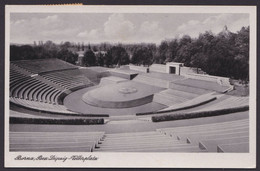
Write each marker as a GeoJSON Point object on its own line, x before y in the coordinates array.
{"type": "Point", "coordinates": [25, 28]}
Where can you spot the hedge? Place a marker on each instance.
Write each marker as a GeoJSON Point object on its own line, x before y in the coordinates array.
{"type": "Point", "coordinates": [181, 108]}
{"type": "Point", "coordinates": [180, 116]}
{"type": "Point", "coordinates": [18, 120]}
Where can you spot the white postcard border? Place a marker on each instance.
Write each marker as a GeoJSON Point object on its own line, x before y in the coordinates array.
{"type": "Point", "coordinates": [140, 160]}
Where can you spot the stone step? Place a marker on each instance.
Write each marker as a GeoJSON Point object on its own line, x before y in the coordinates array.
{"type": "Point", "coordinates": [161, 149]}
{"type": "Point", "coordinates": [211, 145]}
{"type": "Point", "coordinates": [242, 147]}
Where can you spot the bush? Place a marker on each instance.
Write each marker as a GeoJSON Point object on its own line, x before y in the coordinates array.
{"type": "Point", "coordinates": [17, 120]}
{"type": "Point", "coordinates": [179, 116]}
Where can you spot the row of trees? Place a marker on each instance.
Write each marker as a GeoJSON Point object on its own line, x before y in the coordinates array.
{"type": "Point", "coordinates": [117, 55]}
{"type": "Point", "coordinates": [224, 54]}
{"type": "Point", "coordinates": [44, 51]}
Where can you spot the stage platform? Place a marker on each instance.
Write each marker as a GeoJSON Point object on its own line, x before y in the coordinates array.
{"type": "Point", "coordinates": [75, 103]}
{"type": "Point", "coordinates": [121, 95]}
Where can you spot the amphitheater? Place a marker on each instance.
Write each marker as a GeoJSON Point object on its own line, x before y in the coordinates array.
{"type": "Point", "coordinates": [59, 107]}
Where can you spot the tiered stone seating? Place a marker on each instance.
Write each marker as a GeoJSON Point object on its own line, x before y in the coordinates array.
{"type": "Point", "coordinates": [15, 67]}
{"type": "Point", "coordinates": [188, 88]}
{"type": "Point", "coordinates": [212, 137]}
{"type": "Point", "coordinates": [26, 86]}
{"type": "Point", "coordinates": [15, 85]}
{"type": "Point", "coordinates": [15, 76]}
{"type": "Point", "coordinates": [143, 142]}
{"type": "Point", "coordinates": [192, 103]}
{"type": "Point", "coordinates": [152, 81]}
{"type": "Point", "coordinates": [43, 65]}
{"type": "Point", "coordinates": [68, 79]}
{"type": "Point", "coordinates": [30, 91]}
{"type": "Point", "coordinates": [54, 141]}
{"type": "Point", "coordinates": [202, 84]}
{"type": "Point", "coordinates": [41, 106]}
{"type": "Point", "coordinates": [170, 97]}
{"type": "Point", "coordinates": [16, 114]}
{"type": "Point", "coordinates": [236, 147]}
{"type": "Point", "coordinates": [230, 102]}
{"type": "Point", "coordinates": [19, 92]}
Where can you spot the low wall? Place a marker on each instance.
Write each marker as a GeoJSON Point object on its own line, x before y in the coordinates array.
{"type": "Point", "coordinates": [123, 74]}
{"type": "Point", "coordinates": [158, 68]}
{"type": "Point", "coordinates": [220, 80]}
{"type": "Point", "coordinates": [188, 70]}
{"type": "Point", "coordinates": [138, 68]}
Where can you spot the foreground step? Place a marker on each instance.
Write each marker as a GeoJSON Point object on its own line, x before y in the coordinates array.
{"type": "Point", "coordinates": [54, 141]}
{"type": "Point", "coordinates": [142, 145]}
{"type": "Point", "coordinates": [158, 149]}
{"type": "Point", "coordinates": [211, 145]}
{"type": "Point", "coordinates": [217, 133]}
{"type": "Point", "coordinates": [54, 149]}
{"type": "Point", "coordinates": [234, 148]}
{"type": "Point", "coordinates": [213, 126]}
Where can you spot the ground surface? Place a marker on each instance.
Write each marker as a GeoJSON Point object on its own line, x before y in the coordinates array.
{"type": "Point", "coordinates": [126, 125]}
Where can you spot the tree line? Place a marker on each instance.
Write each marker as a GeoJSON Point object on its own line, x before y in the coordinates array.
{"type": "Point", "coordinates": [224, 54]}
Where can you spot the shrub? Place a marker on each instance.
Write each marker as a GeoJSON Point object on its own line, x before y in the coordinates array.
{"type": "Point", "coordinates": [198, 114]}
{"type": "Point", "coordinates": [17, 120]}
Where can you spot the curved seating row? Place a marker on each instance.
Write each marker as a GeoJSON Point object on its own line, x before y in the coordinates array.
{"type": "Point", "coordinates": [32, 89]}
{"type": "Point", "coordinates": [40, 106]}
{"type": "Point", "coordinates": [229, 102]}
{"type": "Point", "coordinates": [43, 65]}
{"type": "Point", "coordinates": [68, 79]}
{"type": "Point", "coordinates": [201, 84]}
{"type": "Point", "coordinates": [171, 97]}
{"type": "Point", "coordinates": [214, 137]}
{"type": "Point", "coordinates": [199, 100]}
{"type": "Point", "coordinates": [54, 141]}
{"type": "Point", "coordinates": [39, 93]}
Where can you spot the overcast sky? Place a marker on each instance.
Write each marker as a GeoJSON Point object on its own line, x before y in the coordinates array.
{"type": "Point", "coordinates": [125, 28]}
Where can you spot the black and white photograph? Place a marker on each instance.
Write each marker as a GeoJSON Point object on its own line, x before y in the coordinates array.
{"type": "Point", "coordinates": [124, 86]}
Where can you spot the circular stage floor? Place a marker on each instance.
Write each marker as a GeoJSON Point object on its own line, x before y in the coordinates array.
{"type": "Point", "coordinates": [121, 95]}
{"type": "Point", "coordinates": [75, 103]}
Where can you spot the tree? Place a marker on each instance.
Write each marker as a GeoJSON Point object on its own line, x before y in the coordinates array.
{"type": "Point", "coordinates": [161, 53]}
{"type": "Point", "coordinates": [118, 55]}
{"type": "Point", "coordinates": [142, 56]}
{"type": "Point", "coordinates": [67, 56]}
{"type": "Point", "coordinates": [89, 58]}
{"type": "Point", "coordinates": [184, 50]}
{"type": "Point", "coordinates": [100, 59]}
{"type": "Point", "coordinates": [241, 56]}
{"type": "Point", "coordinates": [22, 52]}
{"type": "Point", "coordinates": [172, 50]}
{"type": "Point", "coordinates": [66, 45]}
{"type": "Point", "coordinates": [108, 59]}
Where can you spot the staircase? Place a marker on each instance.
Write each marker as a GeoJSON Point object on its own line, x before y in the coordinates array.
{"type": "Point", "coordinates": [152, 141]}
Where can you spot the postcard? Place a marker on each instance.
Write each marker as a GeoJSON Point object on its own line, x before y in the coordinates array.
{"type": "Point", "coordinates": [130, 86]}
